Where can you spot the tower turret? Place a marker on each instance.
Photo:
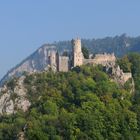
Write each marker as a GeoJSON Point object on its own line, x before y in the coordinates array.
{"type": "Point", "coordinates": [77, 52]}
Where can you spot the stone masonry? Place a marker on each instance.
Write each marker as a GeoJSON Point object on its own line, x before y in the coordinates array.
{"type": "Point", "coordinates": [77, 53]}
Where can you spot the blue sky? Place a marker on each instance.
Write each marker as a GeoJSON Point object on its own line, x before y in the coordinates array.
{"type": "Point", "coordinates": [27, 24]}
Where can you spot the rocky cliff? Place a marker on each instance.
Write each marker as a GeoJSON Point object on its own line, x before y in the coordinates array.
{"type": "Point", "coordinates": [13, 97]}
{"type": "Point", "coordinates": [36, 62]}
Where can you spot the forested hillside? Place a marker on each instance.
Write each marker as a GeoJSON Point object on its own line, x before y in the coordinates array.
{"type": "Point", "coordinates": [120, 45]}
{"type": "Point", "coordinates": [82, 104]}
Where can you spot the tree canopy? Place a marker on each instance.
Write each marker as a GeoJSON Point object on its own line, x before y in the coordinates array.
{"type": "Point", "coordinates": [82, 104]}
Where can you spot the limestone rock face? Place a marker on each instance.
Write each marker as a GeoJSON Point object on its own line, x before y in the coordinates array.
{"type": "Point", "coordinates": [20, 89]}
{"type": "Point", "coordinates": [36, 62]}
{"type": "Point", "coordinates": [22, 104]}
{"type": "Point", "coordinates": [13, 100]}
{"type": "Point", "coordinates": [9, 107]}
{"type": "Point", "coordinates": [4, 103]}
{"type": "Point", "coordinates": [117, 74]}
{"type": "Point", "coordinates": [21, 136]}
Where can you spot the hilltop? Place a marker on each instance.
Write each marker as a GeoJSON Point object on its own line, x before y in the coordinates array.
{"type": "Point", "coordinates": [38, 61]}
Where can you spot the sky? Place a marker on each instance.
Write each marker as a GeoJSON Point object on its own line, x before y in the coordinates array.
{"type": "Point", "coordinates": [27, 24]}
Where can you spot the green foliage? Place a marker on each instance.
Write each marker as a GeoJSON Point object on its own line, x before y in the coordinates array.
{"type": "Point", "coordinates": [124, 64]}
{"type": "Point", "coordinates": [82, 104]}
{"type": "Point", "coordinates": [85, 52]}
{"type": "Point", "coordinates": [11, 84]}
{"type": "Point", "coordinates": [65, 53]}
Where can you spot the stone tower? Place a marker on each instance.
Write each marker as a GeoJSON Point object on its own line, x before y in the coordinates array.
{"type": "Point", "coordinates": [63, 63]}
{"type": "Point", "coordinates": [52, 59]}
{"type": "Point", "coordinates": [77, 52]}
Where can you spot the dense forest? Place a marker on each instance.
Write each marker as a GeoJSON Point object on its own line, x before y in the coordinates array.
{"type": "Point", "coordinates": [120, 45]}
{"type": "Point", "coordinates": [82, 104]}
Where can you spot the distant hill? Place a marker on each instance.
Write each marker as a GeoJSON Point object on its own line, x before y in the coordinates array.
{"type": "Point", "coordinates": [38, 61]}
{"type": "Point", "coordinates": [120, 45]}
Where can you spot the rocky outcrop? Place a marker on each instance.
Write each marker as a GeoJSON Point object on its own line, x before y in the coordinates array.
{"type": "Point", "coordinates": [21, 136]}
{"type": "Point", "coordinates": [6, 105]}
{"type": "Point", "coordinates": [15, 99]}
{"type": "Point", "coordinates": [22, 103]}
{"type": "Point", "coordinates": [109, 62]}
{"type": "Point", "coordinates": [37, 62]}
{"type": "Point", "coordinates": [117, 73]}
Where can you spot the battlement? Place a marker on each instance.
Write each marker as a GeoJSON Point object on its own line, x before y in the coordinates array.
{"type": "Point", "coordinates": [105, 55]}
{"type": "Point", "coordinates": [102, 59]}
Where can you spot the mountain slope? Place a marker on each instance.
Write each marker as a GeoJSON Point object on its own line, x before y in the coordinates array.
{"type": "Point", "coordinates": [38, 61]}
{"type": "Point", "coordinates": [81, 104]}
{"type": "Point", "coordinates": [34, 63]}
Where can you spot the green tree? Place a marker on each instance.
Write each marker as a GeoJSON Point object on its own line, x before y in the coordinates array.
{"type": "Point", "coordinates": [85, 52]}
{"type": "Point", "coordinates": [124, 64]}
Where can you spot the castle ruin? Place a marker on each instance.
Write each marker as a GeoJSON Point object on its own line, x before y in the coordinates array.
{"type": "Point", "coordinates": [62, 63]}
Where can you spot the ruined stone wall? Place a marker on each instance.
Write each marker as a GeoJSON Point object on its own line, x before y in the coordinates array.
{"type": "Point", "coordinates": [99, 58]}
{"type": "Point", "coordinates": [63, 63]}
{"type": "Point", "coordinates": [102, 59]}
